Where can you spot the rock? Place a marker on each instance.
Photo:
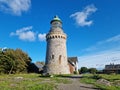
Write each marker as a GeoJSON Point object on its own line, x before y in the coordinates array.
{"type": "Point", "coordinates": [51, 76]}
{"type": "Point", "coordinates": [13, 85]}
{"type": "Point", "coordinates": [18, 77]}
{"type": "Point", "coordinates": [104, 82]}
{"type": "Point", "coordinates": [116, 83]}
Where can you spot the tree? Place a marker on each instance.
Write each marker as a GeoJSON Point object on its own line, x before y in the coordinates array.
{"type": "Point", "coordinates": [6, 64]}
{"type": "Point", "coordinates": [14, 61]}
{"type": "Point", "coordinates": [93, 70]}
{"type": "Point", "coordinates": [83, 70]}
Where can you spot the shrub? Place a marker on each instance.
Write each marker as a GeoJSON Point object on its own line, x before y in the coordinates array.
{"type": "Point", "coordinates": [96, 76]}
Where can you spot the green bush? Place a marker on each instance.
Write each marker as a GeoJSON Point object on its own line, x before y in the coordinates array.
{"type": "Point", "coordinates": [75, 72]}
{"type": "Point", "coordinates": [96, 76]}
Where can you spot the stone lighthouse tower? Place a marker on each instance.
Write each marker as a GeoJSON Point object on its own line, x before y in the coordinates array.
{"type": "Point", "coordinates": [56, 54]}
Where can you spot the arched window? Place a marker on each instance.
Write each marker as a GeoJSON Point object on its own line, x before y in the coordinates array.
{"type": "Point", "coordinates": [60, 56]}
{"type": "Point", "coordinates": [53, 37]}
{"type": "Point", "coordinates": [53, 56]}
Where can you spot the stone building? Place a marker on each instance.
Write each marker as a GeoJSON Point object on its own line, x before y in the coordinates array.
{"type": "Point", "coordinates": [112, 68]}
{"type": "Point", "coordinates": [56, 53]}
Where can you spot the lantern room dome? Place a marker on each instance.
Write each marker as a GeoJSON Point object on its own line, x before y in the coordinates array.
{"type": "Point", "coordinates": [56, 18]}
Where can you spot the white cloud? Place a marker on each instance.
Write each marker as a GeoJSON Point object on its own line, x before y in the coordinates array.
{"type": "Point", "coordinates": [42, 37]}
{"type": "Point", "coordinates": [15, 7]}
{"type": "Point", "coordinates": [102, 53]}
{"type": "Point", "coordinates": [100, 60]}
{"type": "Point", "coordinates": [82, 16]}
{"type": "Point", "coordinates": [110, 43]}
{"type": "Point", "coordinates": [25, 34]}
{"type": "Point", "coordinates": [114, 39]}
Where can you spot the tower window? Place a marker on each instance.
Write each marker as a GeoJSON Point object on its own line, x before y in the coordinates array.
{"type": "Point", "coordinates": [52, 56]}
{"type": "Point", "coordinates": [56, 24]}
{"type": "Point", "coordinates": [53, 37]}
{"type": "Point", "coordinates": [60, 56]}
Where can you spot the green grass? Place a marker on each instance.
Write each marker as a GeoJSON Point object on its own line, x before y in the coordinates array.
{"type": "Point", "coordinates": [111, 77]}
{"type": "Point", "coordinates": [61, 80]}
{"type": "Point", "coordinates": [31, 82]}
{"type": "Point", "coordinates": [91, 79]}
{"type": "Point", "coordinates": [28, 82]}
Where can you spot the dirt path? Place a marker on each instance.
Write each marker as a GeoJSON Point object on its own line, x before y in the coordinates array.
{"type": "Point", "coordinates": [75, 85]}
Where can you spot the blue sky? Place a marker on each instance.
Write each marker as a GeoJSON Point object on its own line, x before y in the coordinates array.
{"type": "Point", "coordinates": [92, 26]}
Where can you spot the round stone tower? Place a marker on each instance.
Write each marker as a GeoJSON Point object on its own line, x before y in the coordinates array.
{"type": "Point", "coordinates": [56, 54]}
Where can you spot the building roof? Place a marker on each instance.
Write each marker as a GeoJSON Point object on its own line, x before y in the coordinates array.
{"type": "Point", "coordinates": [72, 60]}
{"type": "Point", "coordinates": [112, 66]}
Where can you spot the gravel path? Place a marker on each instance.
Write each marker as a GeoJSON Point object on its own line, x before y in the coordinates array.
{"type": "Point", "coordinates": [75, 85]}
